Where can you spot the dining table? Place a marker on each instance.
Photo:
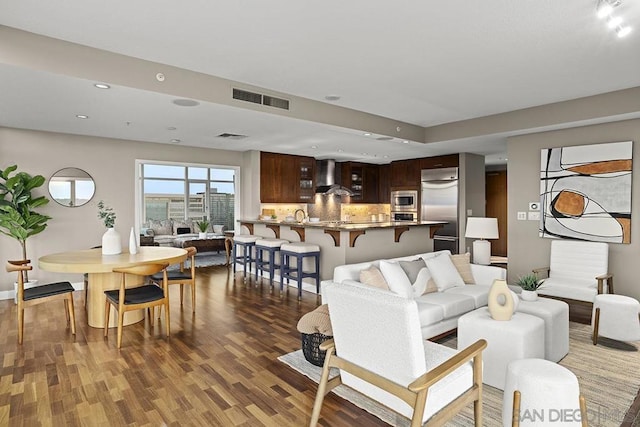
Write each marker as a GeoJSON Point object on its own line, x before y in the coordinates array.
{"type": "Point", "coordinates": [100, 267]}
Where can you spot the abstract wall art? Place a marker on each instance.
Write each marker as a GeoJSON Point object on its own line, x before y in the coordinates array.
{"type": "Point", "coordinates": [585, 192]}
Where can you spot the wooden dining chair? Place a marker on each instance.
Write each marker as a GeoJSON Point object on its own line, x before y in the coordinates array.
{"type": "Point", "coordinates": [40, 294]}
{"type": "Point", "coordinates": [183, 277]}
{"type": "Point", "coordinates": [135, 298]}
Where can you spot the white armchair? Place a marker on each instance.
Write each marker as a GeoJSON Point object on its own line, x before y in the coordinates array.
{"type": "Point", "coordinates": [578, 270]}
{"type": "Point", "coordinates": [381, 353]}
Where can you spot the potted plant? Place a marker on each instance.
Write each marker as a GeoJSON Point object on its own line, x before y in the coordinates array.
{"type": "Point", "coordinates": [529, 284]}
{"type": "Point", "coordinates": [111, 242]}
{"type": "Point", "coordinates": [203, 225]}
{"type": "Point", "coordinates": [17, 203]}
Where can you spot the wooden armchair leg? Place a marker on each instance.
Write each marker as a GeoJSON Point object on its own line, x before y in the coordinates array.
{"type": "Point", "coordinates": [515, 416]}
{"type": "Point", "coordinates": [596, 322]}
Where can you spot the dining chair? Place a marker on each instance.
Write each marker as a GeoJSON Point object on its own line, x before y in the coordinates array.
{"type": "Point", "coordinates": [40, 294]}
{"type": "Point", "coordinates": [135, 298]}
{"type": "Point", "coordinates": [182, 276]}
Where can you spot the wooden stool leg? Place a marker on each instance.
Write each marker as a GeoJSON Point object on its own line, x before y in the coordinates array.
{"type": "Point", "coordinates": [120, 323]}
{"type": "Point", "coordinates": [181, 294]}
{"type": "Point", "coordinates": [193, 297]}
{"type": "Point", "coordinates": [72, 314]}
{"type": "Point", "coordinates": [299, 269]}
{"type": "Point", "coordinates": [107, 310]}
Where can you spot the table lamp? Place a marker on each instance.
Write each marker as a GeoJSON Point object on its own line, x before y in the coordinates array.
{"type": "Point", "coordinates": [481, 228]}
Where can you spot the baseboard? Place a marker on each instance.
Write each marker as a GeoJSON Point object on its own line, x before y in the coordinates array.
{"type": "Point", "coordinates": [78, 286]}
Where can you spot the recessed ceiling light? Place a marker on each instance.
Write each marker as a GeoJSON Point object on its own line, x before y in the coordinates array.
{"type": "Point", "coordinates": [366, 134]}
{"type": "Point", "coordinates": [332, 98]}
{"type": "Point", "coordinates": [82, 116]}
{"type": "Point", "coordinates": [175, 141]}
{"type": "Point", "coordinates": [102, 86]}
{"type": "Point", "coordinates": [365, 154]}
{"type": "Point", "coordinates": [340, 150]}
{"type": "Point", "coordinates": [314, 146]}
{"type": "Point", "coordinates": [386, 157]}
{"type": "Point", "coordinates": [172, 128]}
{"type": "Point", "coordinates": [185, 102]}
{"type": "Point", "coordinates": [405, 142]}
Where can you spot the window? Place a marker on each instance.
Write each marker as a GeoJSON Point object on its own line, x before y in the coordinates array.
{"type": "Point", "coordinates": [177, 192]}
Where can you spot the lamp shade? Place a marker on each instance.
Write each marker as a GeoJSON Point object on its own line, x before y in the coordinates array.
{"type": "Point", "coordinates": [482, 228]}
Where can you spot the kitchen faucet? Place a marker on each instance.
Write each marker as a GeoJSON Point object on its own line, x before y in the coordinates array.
{"type": "Point", "coordinates": [295, 215]}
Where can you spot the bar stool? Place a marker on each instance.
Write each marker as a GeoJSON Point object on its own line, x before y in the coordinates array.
{"type": "Point", "coordinates": [247, 242]}
{"type": "Point", "coordinates": [299, 251]}
{"type": "Point", "coordinates": [271, 246]}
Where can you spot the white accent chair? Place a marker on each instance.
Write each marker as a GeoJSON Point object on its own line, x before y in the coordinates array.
{"type": "Point", "coordinates": [577, 271]}
{"type": "Point", "coordinates": [616, 317]}
{"type": "Point", "coordinates": [542, 393]}
{"type": "Point", "coordinates": [381, 354]}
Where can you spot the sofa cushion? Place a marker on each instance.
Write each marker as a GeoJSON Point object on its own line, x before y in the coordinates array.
{"type": "Point", "coordinates": [161, 227]}
{"type": "Point", "coordinates": [452, 304]}
{"type": "Point", "coordinates": [396, 278]}
{"type": "Point", "coordinates": [462, 263]}
{"type": "Point", "coordinates": [182, 224]}
{"type": "Point", "coordinates": [443, 271]}
{"type": "Point", "coordinates": [412, 268]}
{"type": "Point", "coordinates": [372, 276]}
{"type": "Point", "coordinates": [218, 229]}
{"type": "Point", "coordinates": [429, 313]}
{"type": "Point", "coordinates": [479, 293]}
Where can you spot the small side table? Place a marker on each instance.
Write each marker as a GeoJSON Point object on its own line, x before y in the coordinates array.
{"type": "Point", "coordinates": [522, 337]}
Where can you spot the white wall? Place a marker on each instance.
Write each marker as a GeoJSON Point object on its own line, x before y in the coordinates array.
{"type": "Point", "coordinates": [111, 163]}
{"type": "Point", "coordinates": [526, 249]}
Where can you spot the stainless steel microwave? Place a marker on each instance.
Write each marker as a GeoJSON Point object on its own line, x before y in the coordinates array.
{"type": "Point", "coordinates": [404, 201]}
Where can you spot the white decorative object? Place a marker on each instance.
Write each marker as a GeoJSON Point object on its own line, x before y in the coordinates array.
{"type": "Point", "coordinates": [481, 228]}
{"type": "Point", "coordinates": [111, 243]}
{"type": "Point", "coordinates": [202, 235]}
{"type": "Point", "coordinates": [529, 295]}
{"type": "Point", "coordinates": [500, 301]}
{"type": "Point", "coordinates": [133, 244]}
{"type": "Point", "coordinates": [444, 273]}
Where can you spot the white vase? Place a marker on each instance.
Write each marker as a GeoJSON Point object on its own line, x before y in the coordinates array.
{"type": "Point", "coordinates": [500, 301]}
{"type": "Point", "coordinates": [133, 244]}
{"type": "Point", "coordinates": [111, 243]}
{"type": "Point", "coordinates": [202, 235]}
{"type": "Point", "coordinates": [529, 295]}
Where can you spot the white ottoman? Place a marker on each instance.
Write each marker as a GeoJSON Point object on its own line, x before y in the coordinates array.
{"type": "Point", "coordinates": [556, 325]}
{"type": "Point", "coordinates": [522, 337]}
{"type": "Point", "coordinates": [549, 394]}
{"type": "Point", "coordinates": [615, 317]}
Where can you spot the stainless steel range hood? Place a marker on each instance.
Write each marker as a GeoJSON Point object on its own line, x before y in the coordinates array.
{"type": "Point", "coordinates": [326, 179]}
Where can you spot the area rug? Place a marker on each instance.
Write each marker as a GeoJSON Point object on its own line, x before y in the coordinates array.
{"type": "Point", "coordinates": [206, 259]}
{"type": "Point", "coordinates": [608, 374]}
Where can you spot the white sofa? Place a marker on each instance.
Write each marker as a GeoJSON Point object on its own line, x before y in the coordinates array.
{"type": "Point", "coordinates": [438, 311]}
{"type": "Point", "coordinates": [166, 231]}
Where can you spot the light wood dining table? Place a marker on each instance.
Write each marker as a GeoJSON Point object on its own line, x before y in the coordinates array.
{"type": "Point", "coordinates": [101, 276]}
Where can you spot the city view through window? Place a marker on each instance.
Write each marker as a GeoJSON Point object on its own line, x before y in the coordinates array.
{"type": "Point", "coordinates": [191, 192]}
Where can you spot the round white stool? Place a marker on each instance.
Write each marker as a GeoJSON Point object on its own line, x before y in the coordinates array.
{"type": "Point", "coordinates": [544, 393]}
{"type": "Point", "coordinates": [556, 325]}
{"type": "Point", "coordinates": [299, 251]}
{"type": "Point", "coordinates": [616, 317]}
{"type": "Point", "coordinates": [522, 337]}
{"type": "Point", "coordinates": [271, 247]}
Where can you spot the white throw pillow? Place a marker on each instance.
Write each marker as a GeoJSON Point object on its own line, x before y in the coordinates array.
{"type": "Point", "coordinates": [396, 278]}
{"type": "Point", "coordinates": [420, 285]}
{"type": "Point", "coordinates": [443, 271]}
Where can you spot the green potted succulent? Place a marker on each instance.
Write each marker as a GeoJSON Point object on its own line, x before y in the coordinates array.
{"type": "Point", "coordinates": [18, 219]}
{"type": "Point", "coordinates": [203, 225]}
{"type": "Point", "coordinates": [530, 285]}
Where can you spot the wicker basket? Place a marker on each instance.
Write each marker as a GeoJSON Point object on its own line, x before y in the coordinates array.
{"type": "Point", "coordinates": [310, 347]}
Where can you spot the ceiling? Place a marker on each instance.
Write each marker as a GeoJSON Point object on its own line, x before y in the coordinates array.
{"type": "Point", "coordinates": [419, 62]}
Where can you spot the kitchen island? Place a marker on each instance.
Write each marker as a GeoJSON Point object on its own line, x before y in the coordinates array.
{"type": "Point", "coordinates": [347, 243]}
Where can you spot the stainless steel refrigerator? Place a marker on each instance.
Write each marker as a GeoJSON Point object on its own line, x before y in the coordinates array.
{"type": "Point", "coordinates": [440, 203]}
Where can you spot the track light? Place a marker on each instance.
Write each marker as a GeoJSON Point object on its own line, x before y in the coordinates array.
{"type": "Point", "coordinates": [604, 8]}
{"type": "Point", "coordinates": [622, 31]}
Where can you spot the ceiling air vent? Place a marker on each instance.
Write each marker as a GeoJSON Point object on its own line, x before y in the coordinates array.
{"type": "Point", "coordinates": [231, 136]}
{"type": "Point", "coordinates": [272, 101]}
{"type": "Point", "coordinates": [244, 95]}
{"type": "Point", "coordinates": [258, 98]}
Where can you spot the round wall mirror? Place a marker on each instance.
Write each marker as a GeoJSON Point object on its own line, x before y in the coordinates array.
{"type": "Point", "coordinates": [71, 187]}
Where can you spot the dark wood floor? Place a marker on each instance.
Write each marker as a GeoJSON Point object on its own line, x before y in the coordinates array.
{"type": "Point", "coordinates": [218, 368]}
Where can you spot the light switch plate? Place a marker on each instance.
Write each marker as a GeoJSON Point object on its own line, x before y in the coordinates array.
{"type": "Point", "coordinates": [534, 216]}
{"type": "Point", "coordinates": [522, 216]}
{"type": "Point", "coordinates": [534, 206]}
{"type": "Point", "coordinates": [469, 212]}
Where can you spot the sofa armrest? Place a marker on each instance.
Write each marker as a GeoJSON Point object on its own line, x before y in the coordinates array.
{"type": "Point", "coordinates": [486, 274]}
{"type": "Point", "coordinates": [601, 279]}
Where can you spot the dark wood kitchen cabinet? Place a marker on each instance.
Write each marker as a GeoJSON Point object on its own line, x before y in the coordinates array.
{"type": "Point", "coordinates": [405, 174]}
{"type": "Point", "coordinates": [435, 162]}
{"type": "Point", "coordinates": [362, 180]}
{"type": "Point", "coordinates": [384, 183]}
{"type": "Point", "coordinates": [285, 178]}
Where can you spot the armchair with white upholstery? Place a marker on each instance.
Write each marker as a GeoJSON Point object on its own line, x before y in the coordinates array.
{"type": "Point", "coordinates": [578, 270]}
{"type": "Point", "coordinates": [379, 349]}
